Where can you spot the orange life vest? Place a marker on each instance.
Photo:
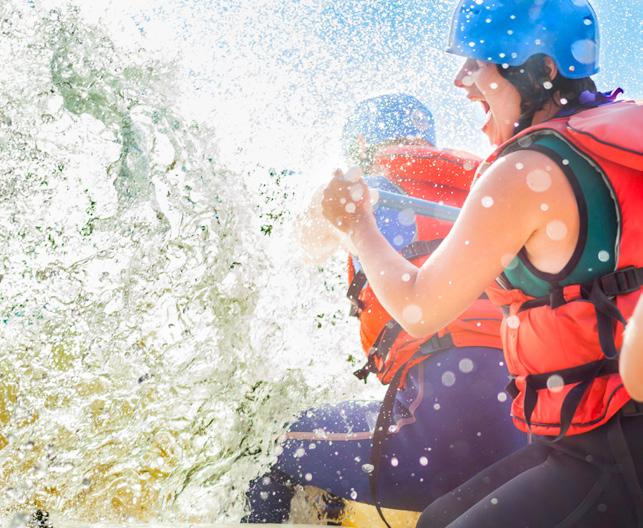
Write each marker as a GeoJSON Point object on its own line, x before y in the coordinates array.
{"type": "Point", "coordinates": [562, 349]}
{"type": "Point", "coordinates": [438, 175]}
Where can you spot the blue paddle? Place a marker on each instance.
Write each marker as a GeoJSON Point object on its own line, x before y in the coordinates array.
{"type": "Point", "coordinates": [418, 206]}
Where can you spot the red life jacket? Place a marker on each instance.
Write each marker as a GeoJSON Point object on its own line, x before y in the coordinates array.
{"type": "Point", "coordinates": [562, 349]}
{"type": "Point", "coordinates": [438, 175]}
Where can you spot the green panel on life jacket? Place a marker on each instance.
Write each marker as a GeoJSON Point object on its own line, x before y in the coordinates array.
{"type": "Point", "coordinates": [600, 222]}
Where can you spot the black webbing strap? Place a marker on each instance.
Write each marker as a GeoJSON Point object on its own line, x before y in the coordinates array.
{"type": "Point", "coordinates": [385, 415]}
{"type": "Point", "coordinates": [354, 289]}
{"type": "Point", "coordinates": [417, 249]}
{"type": "Point", "coordinates": [620, 282]}
{"type": "Point", "coordinates": [606, 313]}
{"type": "Point", "coordinates": [583, 375]}
{"type": "Point", "coordinates": [381, 348]}
{"type": "Point", "coordinates": [382, 426]}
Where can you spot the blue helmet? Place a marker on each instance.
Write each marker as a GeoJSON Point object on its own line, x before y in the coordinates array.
{"type": "Point", "coordinates": [510, 31]}
{"type": "Point", "coordinates": [387, 118]}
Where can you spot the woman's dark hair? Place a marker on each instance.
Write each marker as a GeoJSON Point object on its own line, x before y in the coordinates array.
{"type": "Point", "coordinates": [532, 81]}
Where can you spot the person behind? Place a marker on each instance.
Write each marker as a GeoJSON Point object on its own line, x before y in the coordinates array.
{"type": "Point", "coordinates": [631, 360]}
{"type": "Point", "coordinates": [563, 192]}
{"type": "Point", "coordinates": [444, 417]}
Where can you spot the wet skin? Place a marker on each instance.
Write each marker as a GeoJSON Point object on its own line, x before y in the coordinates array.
{"type": "Point", "coordinates": [504, 212]}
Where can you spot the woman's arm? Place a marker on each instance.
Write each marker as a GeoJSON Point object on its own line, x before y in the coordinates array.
{"type": "Point", "coordinates": [631, 361]}
{"type": "Point", "coordinates": [510, 206]}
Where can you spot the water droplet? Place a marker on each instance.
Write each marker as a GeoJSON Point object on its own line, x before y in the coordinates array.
{"type": "Point", "coordinates": [300, 452]}
{"type": "Point", "coordinates": [555, 383]}
{"type": "Point", "coordinates": [468, 165]}
{"type": "Point", "coordinates": [584, 51]}
{"type": "Point", "coordinates": [493, 86]}
{"type": "Point", "coordinates": [467, 242]}
{"type": "Point", "coordinates": [556, 230]}
{"type": "Point", "coordinates": [367, 468]}
{"type": "Point", "coordinates": [448, 378]}
{"type": "Point", "coordinates": [544, 207]}
{"type": "Point", "coordinates": [472, 44]}
{"type": "Point", "coordinates": [563, 101]}
{"type": "Point", "coordinates": [353, 494]}
{"type": "Point", "coordinates": [357, 192]}
{"type": "Point", "coordinates": [494, 501]}
{"type": "Point", "coordinates": [394, 462]}
{"type": "Point", "coordinates": [548, 85]}
{"type": "Point", "coordinates": [312, 446]}
{"type": "Point", "coordinates": [406, 277]}
{"type": "Point", "coordinates": [436, 406]}
{"type": "Point", "coordinates": [308, 477]}
{"type": "Point", "coordinates": [587, 21]}
{"type": "Point", "coordinates": [513, 322]}
{"type": "Point", "coordinates": [538, 180]}
{"type": "Point", "coordinates": [487, 201]}
{"type": "Point", "coordinates": [412, 314]}
{"type": "Point", "coordinates": [424, 461]}
{"type": "Point", "coordinates": [467, 80]}
{"type": "Point", "coordinates": [510, 32]}
{"type": "Point", "coordinates": [603, 256]}
{"type": "Point", "coordinates": [406, 217]}
{"type": "Point", "coordinates": [266, 481]}
{"type": "Point", "coordinates": [263, 495]}
{"type": "Point", "coordinates": [487, 20]}
{"type": "Point", "coordinates": [466, 365]}
{"type": "Point", "coordinates": [398, 240]}
{"type": "Point", "coordinates": [520, 166]}
{"type": "Point", "coordinates": [502, 397]}
{"type": "Point", "coordinates": [350, 207]}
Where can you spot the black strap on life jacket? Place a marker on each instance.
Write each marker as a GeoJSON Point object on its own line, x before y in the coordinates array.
{"type": "Point", "coordinates": [385, 416]}
{"type": "Point", "coordinates": [583, 375]}
{"type": "Point", "coordinates": [417, 249]}
{"type": "Point", "coordinates": [380, 348]}
{"type": "Point", "coordinates": [601, 293]}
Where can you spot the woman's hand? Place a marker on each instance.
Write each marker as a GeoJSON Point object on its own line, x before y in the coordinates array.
{"type": "Point", "coordinates": [317, 237]}
{"type": "Point", "coordinates": [346, 201]}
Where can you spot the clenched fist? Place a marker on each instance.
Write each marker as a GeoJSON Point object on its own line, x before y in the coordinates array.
{"type": "Point", "coordinates": [346, 200]}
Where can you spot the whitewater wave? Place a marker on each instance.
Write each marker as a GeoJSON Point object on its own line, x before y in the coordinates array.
{"type": "Point", "coordinates": [157, 330]}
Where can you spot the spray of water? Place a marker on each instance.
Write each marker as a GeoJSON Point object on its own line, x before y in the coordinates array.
{"type": "Point", "coordinates": [156, 329]}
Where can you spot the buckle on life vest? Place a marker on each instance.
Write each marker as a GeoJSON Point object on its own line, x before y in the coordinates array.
{"type": "Point", "coordinates": [621, 282]}
{"type": "Point", "coordinates": [436, 343]}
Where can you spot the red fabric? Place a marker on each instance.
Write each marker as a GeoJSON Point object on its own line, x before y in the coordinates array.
{"type": "Point", "coordinates": [437, 175]}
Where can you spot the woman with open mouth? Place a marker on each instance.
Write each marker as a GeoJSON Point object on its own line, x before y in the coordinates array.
{"type": "Point", "coordinates": [556, 217]}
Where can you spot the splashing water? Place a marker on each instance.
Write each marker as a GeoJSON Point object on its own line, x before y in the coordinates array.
{"type": "Point", "coordinates": [147, 364]}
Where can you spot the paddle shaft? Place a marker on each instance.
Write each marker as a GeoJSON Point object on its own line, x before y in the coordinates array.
{"type": "Point", "coordinates": [418, 206]}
